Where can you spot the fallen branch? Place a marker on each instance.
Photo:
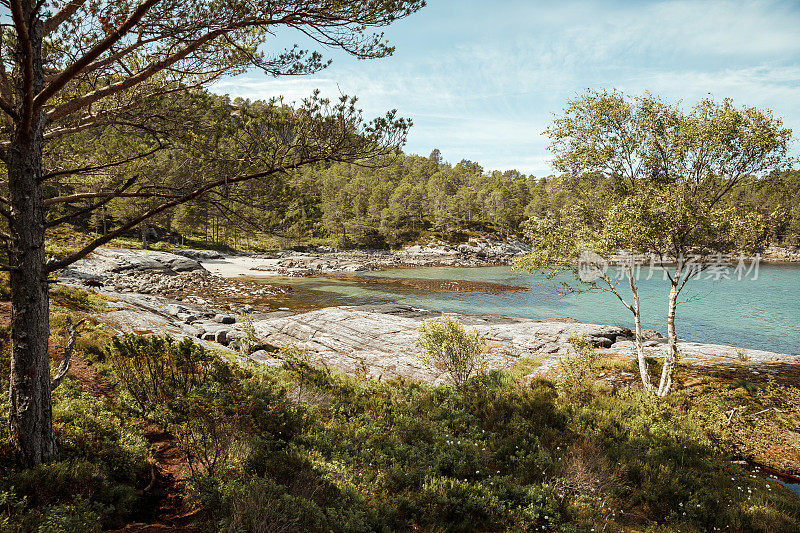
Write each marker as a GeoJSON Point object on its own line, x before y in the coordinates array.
{"type": "Point", "coordinates": [63, 367]}
{"type": "Point", "coordinates": [766, 410]}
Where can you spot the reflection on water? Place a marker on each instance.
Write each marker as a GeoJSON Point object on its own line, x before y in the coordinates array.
{"type": "Point", "coordinates": [762, 313]}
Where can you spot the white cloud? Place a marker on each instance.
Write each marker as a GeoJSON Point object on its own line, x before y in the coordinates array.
{"type": "Point", "coordinates": [484, 82]}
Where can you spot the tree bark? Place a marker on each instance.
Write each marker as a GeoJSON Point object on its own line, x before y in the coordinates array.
{"type": "Point", "coordinates": [30, 413]}
{"type": "Point", "coordinates": [665, 385]}
{"type": "Point", "coordinates": [637, 319]}
{"type": "Point", "coordinates": [30, 409]}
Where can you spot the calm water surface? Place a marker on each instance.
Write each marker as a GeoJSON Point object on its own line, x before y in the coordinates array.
{"type": "Point", "coordinates": [763, 313]}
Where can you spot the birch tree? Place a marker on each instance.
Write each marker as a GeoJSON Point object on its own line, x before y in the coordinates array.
{"type": "Point", "coordinates": [673, 174]}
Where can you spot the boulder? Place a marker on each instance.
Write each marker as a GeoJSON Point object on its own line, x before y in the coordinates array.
{"type": "Point", "coordinates": [266, 358]}
{"type": "Point", "coordinates": [651, 335]}
{"type": "Point", "coordinates": [221, 336]}
{"type": "Point", "coordinates": [224, 319]}
{"type": "Point", "coordinates": [191, 330]}
{"type": "Point", "coordinates": [187, 318]}
{"type": "Point", "coordinates": [183, 264]}
{"type": "Point", "coordinates": [176, 309]}
{"type": "Point", "coordinates": [201, 255]}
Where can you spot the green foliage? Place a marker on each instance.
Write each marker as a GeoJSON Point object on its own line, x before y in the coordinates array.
{"type": "Point", "coordinates": [408, 200]}
{"type": "Point", "coordinates": [251, 338]}
{"type": "Point", "coordinates": [91, 484]}
{"type": "Point", "coordinates": [353, 454]}
{"type": "Point", "coordinates": [260, 504]}
{"type": "Point", "coordinates": [672, 467]}
{"type": "Point", "coordinates": [211, 406]}
{"type": "Point", "coordinates": [671, 175]}
{"type": "Point", "coordinates": [446, 347]}
{"type": "Point", "coordinates": [5, 286]}
{"type": "Point", "coordinates": [154, 370]}
{"type": "Point", "coordinates": [579, 367]}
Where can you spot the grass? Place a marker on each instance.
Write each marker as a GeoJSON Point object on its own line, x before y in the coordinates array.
{"type": "Point", "coordinates": [524, 367]}
{"type": "Point", "coordinates": [66, 298]}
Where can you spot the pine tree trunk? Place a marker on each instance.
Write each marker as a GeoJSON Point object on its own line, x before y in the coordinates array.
{"type": "Point", "coordinates": [30, 409]}
{"type": "Point", "coordinates": [668, 370]}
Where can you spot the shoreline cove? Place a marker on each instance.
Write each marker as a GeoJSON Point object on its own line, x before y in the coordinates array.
{"type": "Point", "coordinates": [149, 281]}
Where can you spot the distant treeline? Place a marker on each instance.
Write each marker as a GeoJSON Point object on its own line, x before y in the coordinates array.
{"type": "Point", "coordinates": [380, 203]}
{"type": "Point", "coordinates": [414, 197]}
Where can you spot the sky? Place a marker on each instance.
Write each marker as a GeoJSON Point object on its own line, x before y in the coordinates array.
{"type": "Point", "coordinates": [483, 79]}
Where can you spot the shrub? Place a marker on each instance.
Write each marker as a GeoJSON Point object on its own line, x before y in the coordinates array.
{"type": "Point", "coordinates": [459, 505]}
{"type": "Point", "coordinates": [91, 484]}
{"type": "Point", "coordinates": [259, 504]}
{"type": "Point", "coordinates": [212, 407]}
{"type": "Point", "coordinates": [155, 370]}
{"type": "Point", "coordinates": [579, 367]}
{"type": "Point", "coordinates": [251, 338]}
{"type": "Point", "coordinates": [446, 347]}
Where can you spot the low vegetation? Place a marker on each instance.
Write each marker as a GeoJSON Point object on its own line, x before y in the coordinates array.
{"type": "Point", "coordinates": [446, 347]}
{"type": "Point", "coordinates": [303, 448]}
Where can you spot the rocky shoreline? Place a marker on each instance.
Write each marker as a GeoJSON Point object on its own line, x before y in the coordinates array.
{"type": "Point", "coordinates": [780, 254]}
{"type": "Point", "coordinates": [323, 260]}
{"type": "Point", "coordinates": [181, 295]}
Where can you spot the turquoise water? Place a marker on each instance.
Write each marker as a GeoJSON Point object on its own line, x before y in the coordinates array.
{"type": "Point", "coordinates": [763, 313]}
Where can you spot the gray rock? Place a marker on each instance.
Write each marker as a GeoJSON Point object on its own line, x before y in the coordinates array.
{"type": "Point", "coordinates": [201, 255]}
{"type": "Point", "coordinates": [351, 337]}
{"type": "Point", "coordinates": [187, 318]}
{"type": "Point", "coordinates": [221, 336]}
{"type": "Point", "coordinates": [651, 335]}
{"type": "Point", "coordinates": [191, 330]}
{"type": "Point", "coordinates": [224, 319]}
{"type": "Point", "coordinates": [235, 334]}
{"type": "Point", "coordinates": [266, 358]}
{"type": "Point", "coordinates": [176, 309]}
{"type": "Point", "coordinates": [183, 264]}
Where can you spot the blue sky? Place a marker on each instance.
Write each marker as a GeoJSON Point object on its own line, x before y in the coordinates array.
{"type": "Point", "coordinates": [483, 79]}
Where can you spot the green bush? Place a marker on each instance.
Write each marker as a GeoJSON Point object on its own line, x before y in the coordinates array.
{"type": "Point", "coordinates": [91, 484]}
{"type": "Point", "coordinates": [259, 504]}
{"type": "Point", "coordinates": [351, 454]}
{"type": "Point", "coordinates": [154, 370]}
{"type": "Point", "coordinates": [446, 347]}
{"type": "Point", "coordinates": [212, 407]}
{"type": "Point", "coordinates": [579, 367]}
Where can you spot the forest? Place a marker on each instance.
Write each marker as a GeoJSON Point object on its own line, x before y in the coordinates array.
{"type": "Point", "coordinates": [386, 201]}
